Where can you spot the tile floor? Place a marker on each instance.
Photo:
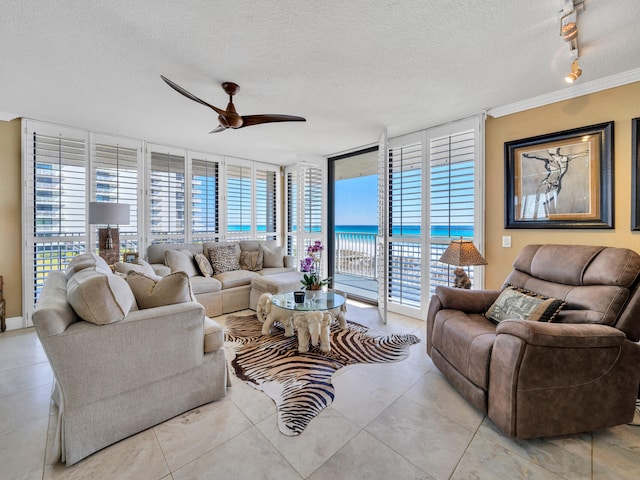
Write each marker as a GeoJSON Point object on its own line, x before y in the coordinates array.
{"type": "Point", "coordinates": [389, 421]}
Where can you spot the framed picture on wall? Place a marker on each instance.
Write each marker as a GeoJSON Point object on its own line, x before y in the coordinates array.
{"type": "Point", "coordinates": [560, 180]}
{"type": "Point", "coordinates": [635, 174]}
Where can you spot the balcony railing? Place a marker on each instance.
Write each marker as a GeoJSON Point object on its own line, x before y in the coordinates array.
{"type": "Point", "coordinates": [356, 254]}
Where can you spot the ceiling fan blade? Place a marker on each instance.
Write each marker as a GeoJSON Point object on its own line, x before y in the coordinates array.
{"type": "Point", "coordinates": [249, 120]}
{"type": "Point", "coordinates": [181, 90]}
{"type": "Point", "coordinates": [219, 128]}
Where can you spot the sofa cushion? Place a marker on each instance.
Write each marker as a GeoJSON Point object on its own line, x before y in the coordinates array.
{"type": "Point", "coordinates": [515, 303]}
{"type": "Point", "coordinates": [273, 256]}
{"type": "Point", "coordinates": [252, 260]}
{"type": "Point", "coordinates": [150, 293]}
{"type": "Point", "coordinates": [213, 335]}
{"type": "Point", "coordinates": [87, 260]}
{"type": "Point", "coordinates": [139, 266]}
{"type": "Point", "coordinates": [204, 265]}
{"type": "Point", "coordinates": [99, 298]}
{"type": "Point", "coordinates": [180, 260]}
{"type": "Point", "coordinates": [205, 285]}
{"type": "Point", "coordinates": [235, 278]}
{"type": "Point", "coordinates": [224, 259]}
{"type": "Point", "coordinates": [466, 342]}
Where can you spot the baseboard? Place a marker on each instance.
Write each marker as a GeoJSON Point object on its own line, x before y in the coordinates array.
{"type": "Point", "coordinates": [14, 323]}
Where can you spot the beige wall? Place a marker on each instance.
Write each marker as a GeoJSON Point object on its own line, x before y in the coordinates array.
{"type": "Point", "coordinates": [10, 216]}
{"type": "Point", "coordinates": [618, 104]}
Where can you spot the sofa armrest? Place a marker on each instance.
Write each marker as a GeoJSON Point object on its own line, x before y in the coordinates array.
{"type": "Point", "coordinates": [289, 261]}
{"type": "Point", "coordinates": [91, 361]}
{"type": "Point", "coordinates": [468, 301]}
{"type": "Point", "coordinates": [562, 335]}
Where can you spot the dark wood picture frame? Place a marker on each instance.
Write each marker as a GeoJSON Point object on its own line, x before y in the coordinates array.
{"type": "Point", "coordinates": [635, 174]}
{"type": "Point", "coordinates": [560, 180]}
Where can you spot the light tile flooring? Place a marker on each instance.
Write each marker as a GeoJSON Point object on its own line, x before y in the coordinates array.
{"type": "Point", "coordinates": [389, 421]}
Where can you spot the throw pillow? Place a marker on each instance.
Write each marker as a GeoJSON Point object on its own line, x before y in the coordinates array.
{"type": "Point", "coordinates": [514, 303]}
{"type": "Point", "coordinates": [224, 259]}
{"type": "Point", "coordinates": [252, 260]}
{"type": "Point", "coordinates": [273, 257]}
{"type": "Point", "coordinates": [86, 260]}
{"type": "Point", "coordinates": [204, 265]}
{"type": "Point", "coordinates": [98, 297]}
{"type": "Point", "coordinates": [150, 293]}
{"type": "Point", "coordinates": [139, 266]}
{"type": "Point", "coordinates": [180, 261]}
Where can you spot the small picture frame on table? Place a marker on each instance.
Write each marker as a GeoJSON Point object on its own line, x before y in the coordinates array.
{"type": "Point", "coordinates": [130, 257]}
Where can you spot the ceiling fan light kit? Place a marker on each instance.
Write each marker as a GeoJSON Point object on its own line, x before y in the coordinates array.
{"type": "Point", "coordinates": [229, 118]}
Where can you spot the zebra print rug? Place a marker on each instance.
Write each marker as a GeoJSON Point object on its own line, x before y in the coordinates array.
{"type": "Point", "coordinates": [300, 383]}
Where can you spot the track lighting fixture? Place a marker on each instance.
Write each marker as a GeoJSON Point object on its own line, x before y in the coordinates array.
{"type": "Point", "coordinates": [576, 71]}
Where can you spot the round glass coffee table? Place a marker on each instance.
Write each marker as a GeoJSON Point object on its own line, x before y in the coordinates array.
{"type": "Point", "coordinates": [321, 301]}
{"type": "Point", "coordinates": [311, 318]}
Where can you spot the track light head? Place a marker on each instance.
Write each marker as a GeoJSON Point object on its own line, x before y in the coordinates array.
{"type": "Point", "coordinates": [575, 73]}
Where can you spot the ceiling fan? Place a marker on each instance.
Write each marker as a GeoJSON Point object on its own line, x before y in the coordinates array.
{"type": "Point", "coordinates": [229, 118]}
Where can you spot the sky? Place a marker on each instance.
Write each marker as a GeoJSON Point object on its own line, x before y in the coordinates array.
{"type": "Point", "coordinates": [357, 201]}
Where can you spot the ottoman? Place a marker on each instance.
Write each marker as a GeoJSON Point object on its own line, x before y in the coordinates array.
{"type": "Point", "coordinates": [277, 283]}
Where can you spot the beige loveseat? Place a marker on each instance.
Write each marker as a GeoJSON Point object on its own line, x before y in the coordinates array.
{"type": "Point", "coordinates": [576, 372]}
{"type": "Point", "coordinates": [120, 369]}
{"type": "Point", "coordinates": [226, 291]}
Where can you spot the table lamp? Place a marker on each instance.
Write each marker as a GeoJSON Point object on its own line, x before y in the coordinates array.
{"type": "Point", "coordinates": [106, 213]}
{"type": "Point", "coordinates": [462, 253]}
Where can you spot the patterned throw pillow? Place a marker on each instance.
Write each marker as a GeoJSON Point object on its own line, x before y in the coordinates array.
{"type": "Point", "coordinates": [224, 259]}
{"type": "Point", "coordinates": [204, 265]}
{"type": "Point", "coordinates": [252, 260]}
{"type": "Point", "coordinates": [515, 303]}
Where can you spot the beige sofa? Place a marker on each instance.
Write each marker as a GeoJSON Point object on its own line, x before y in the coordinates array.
{"type": "Point", "coordinates": [227, 291]}
{"type": "Point", "coordinates": [120, 369]}
{"type": "Point", "coordinates": [576, 372]}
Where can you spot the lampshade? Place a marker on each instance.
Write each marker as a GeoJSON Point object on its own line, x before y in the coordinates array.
{"type": "Point", "coordinates": [105, 213]}
{"type": "Point", "coordinates": [462, 253]}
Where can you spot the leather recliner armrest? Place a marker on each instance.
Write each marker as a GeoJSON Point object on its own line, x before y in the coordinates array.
{"type": "Point", "coordinates": [468, 301]}
{"type": "Point", "coordinates": [568, 335]}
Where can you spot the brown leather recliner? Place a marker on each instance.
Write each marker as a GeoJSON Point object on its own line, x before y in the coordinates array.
{"type": "Point", "coordinates": [534, 379]}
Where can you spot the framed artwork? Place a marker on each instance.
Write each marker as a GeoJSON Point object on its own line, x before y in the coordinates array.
{"type": "Point", "coordinates": [635, 174]}
{"type": "Point", "coordinates": [560, 180]}
{"type": "Point", "coordinates": [130, 257]}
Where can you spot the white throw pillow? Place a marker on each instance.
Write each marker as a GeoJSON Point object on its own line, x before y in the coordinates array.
{"type": "Point", "coordinates": [180, 261]}
{"type": "Point", "coordinates": [100, 298]}
{"type": "Point", "coordinates": [273, 257]}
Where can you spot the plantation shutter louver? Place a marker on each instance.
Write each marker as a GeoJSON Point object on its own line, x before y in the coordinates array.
{"type": "Point", "coordinates": [404, 180]}
{"type": "Point", "coordinates": [167, 198]}
{"type": "Point", "coordinates": [452, 173]}
{"type": "Point", "coordinates": [266, 199]}
{"type": "Point", "coordinates": [204, 200]}
{"type": "Point", "coordinates": [115, 179]}
{"type": "Point", "coordinates": [292, 211]}
{"type": "Point", "coordinates": [55, 198]}
{"type": "Point", "coordinates": [239, 202]}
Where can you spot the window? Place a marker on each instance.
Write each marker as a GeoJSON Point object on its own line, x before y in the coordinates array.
{"type": "Point", "coordinates": [266, 188]}
{"type": "Point", "coordinates": [404, 186]}
{"type": "Point", "coordinates": [205, 182]}
{"type": "Point", "coordinates": [239, 202]}
{"type": "Point", "coordinates": [55, 221]}
{"type": "Point", "coordinates": [166, 196]}
{"type": "Point", "coordinates": [453, 160]}
{"type": "Point", "coordinates": [116, 179]}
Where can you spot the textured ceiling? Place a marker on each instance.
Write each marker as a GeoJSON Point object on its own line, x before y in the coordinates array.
{"type": "Point", "coordinates": [351, 68]}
